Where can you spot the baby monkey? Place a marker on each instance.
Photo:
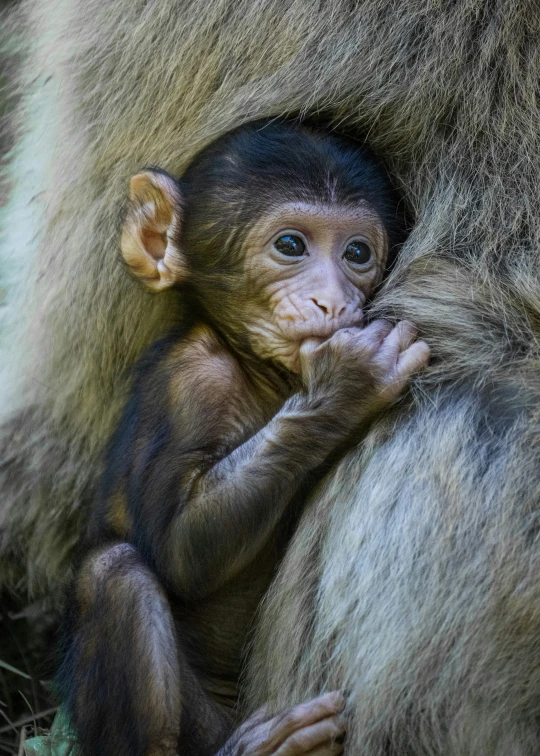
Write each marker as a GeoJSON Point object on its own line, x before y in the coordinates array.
{"type": "Point", "coordinates": [275, 237]}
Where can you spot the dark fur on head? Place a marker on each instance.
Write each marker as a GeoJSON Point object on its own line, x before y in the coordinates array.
{"type": "Point", "coordinates": [251, 170]}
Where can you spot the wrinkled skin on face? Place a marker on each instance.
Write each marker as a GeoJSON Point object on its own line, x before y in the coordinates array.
{"type": "Point", "coordinates": [317, 290]}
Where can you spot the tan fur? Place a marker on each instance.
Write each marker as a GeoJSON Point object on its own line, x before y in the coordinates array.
{"type": "Point", "coordinates": [427, 608]}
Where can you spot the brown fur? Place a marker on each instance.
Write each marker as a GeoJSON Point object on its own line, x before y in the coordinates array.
{"type": "Point", "coordinates": [437, 636]}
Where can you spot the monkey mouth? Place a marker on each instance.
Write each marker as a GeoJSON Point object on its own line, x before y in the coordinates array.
{"type": "Point", "coordinates": [282, 342]}
{"type": "Point", "coordinates": [324, 332]}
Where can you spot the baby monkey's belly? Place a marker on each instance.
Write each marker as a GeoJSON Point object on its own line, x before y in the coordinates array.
{"type": "Point", "coordinates": [218, 628]}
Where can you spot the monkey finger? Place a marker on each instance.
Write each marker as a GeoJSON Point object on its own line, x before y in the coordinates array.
{"type": "Point", "coordinates": [401, 336]}
{"type": "Point", "coordinates": [305, 714]}
{"type": "Point", "coordinates": [310, 345]}
{"type": "Point", "coordinates": [368, 340]}
{"type": "Point", "coordinates": [398, 340]}
{"type": "Point", "coordinates": [306, 353]}
{"type": "Point", "coordinates": [412, 360]}
{"type": "Point", "coordinates": [377, 329]}
{"type": "Point", "coordinates": [308, 738]}
{"type": "Point", "coordinates": [309, 712]}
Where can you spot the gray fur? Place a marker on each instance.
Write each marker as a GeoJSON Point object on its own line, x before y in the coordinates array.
{"type": "Point", "coordinates": [427, 607]}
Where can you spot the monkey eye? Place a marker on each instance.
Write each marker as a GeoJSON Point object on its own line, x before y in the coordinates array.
{"type": "Point", "coordinates": [358, 252]}
{"type": "Point", "coordinates": [290, 245]}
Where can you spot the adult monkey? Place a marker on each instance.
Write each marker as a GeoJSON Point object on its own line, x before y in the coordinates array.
{"type": "Point", "coordinates": [448, 94]}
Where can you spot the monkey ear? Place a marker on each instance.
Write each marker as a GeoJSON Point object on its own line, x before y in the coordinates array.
{"type": "Point", "coordinates": [151, 230]}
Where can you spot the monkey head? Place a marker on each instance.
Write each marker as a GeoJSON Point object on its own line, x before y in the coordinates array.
{"type": "Point", "coordinates": [276, 232]}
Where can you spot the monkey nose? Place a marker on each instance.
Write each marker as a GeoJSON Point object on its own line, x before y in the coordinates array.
{"type": "Point", "coordinates": [330, 309]}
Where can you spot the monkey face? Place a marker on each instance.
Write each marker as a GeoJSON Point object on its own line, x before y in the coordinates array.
{"type": "Point", "coordinates": [277, 234]}
{"type": "Point", "coordinates": [309, 269]}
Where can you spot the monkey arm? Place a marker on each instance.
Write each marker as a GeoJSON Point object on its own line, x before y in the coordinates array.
{"type": "Point", "coordinates": [230, 510]}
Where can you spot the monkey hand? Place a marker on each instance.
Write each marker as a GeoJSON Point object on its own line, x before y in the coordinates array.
{"type": "Point", "coordinates": [362, 369]}
{"type": "Point", "coordinates": [315, 727]}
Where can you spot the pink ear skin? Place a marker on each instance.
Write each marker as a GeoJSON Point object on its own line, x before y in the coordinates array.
{"type": "Point", "coordinates": [149, 231]}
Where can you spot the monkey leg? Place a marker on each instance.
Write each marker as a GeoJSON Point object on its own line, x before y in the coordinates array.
{"type": "Point", "coordinates": [127, 682]}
